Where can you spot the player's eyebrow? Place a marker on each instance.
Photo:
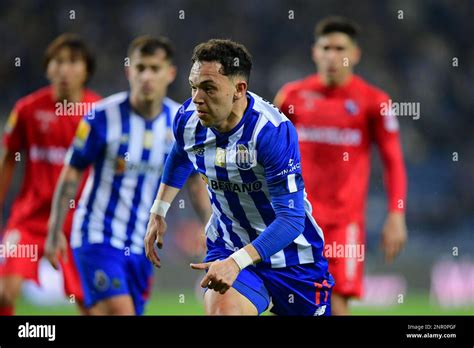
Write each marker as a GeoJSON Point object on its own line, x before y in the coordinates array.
{"type": "Point", "coordinates": [202, 82]}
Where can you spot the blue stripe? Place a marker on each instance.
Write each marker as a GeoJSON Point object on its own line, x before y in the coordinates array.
{"type": "Point", "coordinates": [232, 198]}
{"type": "Point", "coordinates": [98, 166]}
{"type": "Point", "coordinates": [117, 181]}
{"type": "Point", "coordinates": [168, 125]}
{"type": "Point", "coordinates": [167, 112]}
{"type": "Point", "coordinates": [291, 254]}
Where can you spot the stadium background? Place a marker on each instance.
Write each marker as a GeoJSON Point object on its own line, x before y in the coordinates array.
{"type": "Point", "coordinates": [418, 51]}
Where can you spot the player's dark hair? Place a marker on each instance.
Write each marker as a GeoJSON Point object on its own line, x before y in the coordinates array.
{"type": "Point", "coordinates": [234, 57]}
{"type": "Point", "coordinates": [77, 46]}
{"type": "Point", "coordinates": [337, 24]}
{"type": "Point", "coordinates": [147, 46]}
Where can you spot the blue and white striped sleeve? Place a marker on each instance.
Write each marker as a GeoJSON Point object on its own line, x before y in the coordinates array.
{"type": "Point", "coordinates": [278, 152]}
{"type": "Point", "coordinates": [89, 142]}
{"type": "Point", "coordinates": [178, 167]}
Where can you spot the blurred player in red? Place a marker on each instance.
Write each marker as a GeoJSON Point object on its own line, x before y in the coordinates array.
{"type": "Point", "coordinates": [38, 132]}
{"type": "Point", "coordinates": [338, 116]}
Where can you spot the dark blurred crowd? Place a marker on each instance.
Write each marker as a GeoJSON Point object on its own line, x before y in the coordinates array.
{"type": "Point", "coordinates": [418, 51]}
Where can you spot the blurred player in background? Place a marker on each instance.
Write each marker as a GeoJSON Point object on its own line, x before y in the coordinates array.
{"type": "Point", "coordinates": [39, 131]}
{"type": "Point", "coordinates": [127, 140]}
{"type": "Point", "coordinates": [338, 116]}
{"type": "Point", "coordinates": [262, 240]}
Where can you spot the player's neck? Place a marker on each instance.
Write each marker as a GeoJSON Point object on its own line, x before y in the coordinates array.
{"type": "Point", "coordinates": [146, 109]}
{"type": "Point", "coordinates": [73, 96]}
{"type": "Point", "coordinates": [235, 116]}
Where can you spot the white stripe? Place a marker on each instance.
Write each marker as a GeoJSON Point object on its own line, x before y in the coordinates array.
{"type": "Point", "coordinates": [270, 112]}
{"type": "Point", "coordinates": [309, 213]}
{"type": "Point", "coordinates": [150, 182]}
{"type": "Point", "coordinates": [225, 232]}
{"type": "Point", "coordinates": [228, 242]}
{"type": "Point", "coordinates": [305, 249]}
{"type": "Point", "coordinates": [189, 134]}
{"type": "Point", "coordinates": [292, 183]}
{"type": "Point", "coordinates": [191, 107]}
{"type": "Point", "coordinates": [136, 249]}
{"type": "Point", "coordinates": [210, 229]}
{"type": "Point", "coordinates": [121, 215]}
{"type": "Point", "coordinates": [79, 214]}
{"type": "Point", "coordinates": [262, 121]}
{"type": "Point", "coordinates": [278, 260]}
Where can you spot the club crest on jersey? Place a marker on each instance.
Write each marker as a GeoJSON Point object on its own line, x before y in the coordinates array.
{"type": "Point", "coordinates": [82, 132]}
{"type": "Point", "coordinates": [101, 280]}
{"type": "Point", "coordinates": [244, 159]}
{"type": "Point", "coordinates": [198, 150]}
{"type": "Point", "coordinates": [120, 165]}
{"type": "Point", "coordinates": [351, 107]}
{"type": "Point", "coordinates": [220, 157]}
{"type": "Point", "coordinates": [11, 123]}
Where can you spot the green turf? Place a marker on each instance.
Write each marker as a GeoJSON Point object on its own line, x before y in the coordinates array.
{"type": "Point", "coordinates": [175, 304]}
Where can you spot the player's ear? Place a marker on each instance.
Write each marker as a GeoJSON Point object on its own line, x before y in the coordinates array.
{"type": "Point", "coordinates": [126, 70]}
{"type": "Point", "coordinates": [313, 53]}
{"type": "Point", "coordinates": [173, 70]}
{"type": "Point", "coordinates": [240, 88]}
{"type": "Point", "coordinates": [357, 53]}
{"type": "Point", "coordinates": [47, 73]}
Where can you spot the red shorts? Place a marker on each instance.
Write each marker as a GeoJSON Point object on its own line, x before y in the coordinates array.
{"type": "Point", "coordinates": [345, 249]}
{"type": "Point", "coordinates": [23, 250]}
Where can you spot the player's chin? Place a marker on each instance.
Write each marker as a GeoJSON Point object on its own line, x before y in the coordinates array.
{"type": "Point", "coordinates": [148, 97]}
{"type": "Point", "coordinates": [63, 89]}
{"type": "Point", "coordinates": [205, 123]}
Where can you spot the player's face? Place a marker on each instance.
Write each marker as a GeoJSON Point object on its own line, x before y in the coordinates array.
{"type": "Point", "coordinates": [212, 93]}
{"type": "Point", "coordinates": [335, 55]}
{"type": "Point", "coordinates": [150, 75]}
{"type": "Point", "coordinates": [67, 72]}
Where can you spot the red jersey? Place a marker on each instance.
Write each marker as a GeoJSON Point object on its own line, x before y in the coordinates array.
{"type": "Point", "coordinates": [40, 130]}
{"type": "Point", "coordinates": [336, 126]}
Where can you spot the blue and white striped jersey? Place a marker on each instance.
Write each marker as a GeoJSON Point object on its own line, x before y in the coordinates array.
{"type": "Point", "coordinates": [238, 167]}
{"type": "Point", "coordinates": [128, 154]}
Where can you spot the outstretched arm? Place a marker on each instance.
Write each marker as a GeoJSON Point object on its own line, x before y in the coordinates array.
{"type": "Point", "coordinates": [178, 167]}
{"type": "Point", "coordinates": [288, 224]}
